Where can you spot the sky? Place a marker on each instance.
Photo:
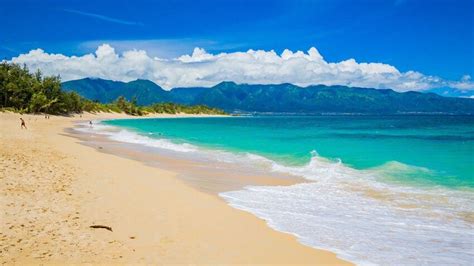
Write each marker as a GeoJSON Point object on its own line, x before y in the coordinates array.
{"type": "Point", "coordinates": [399, 44]}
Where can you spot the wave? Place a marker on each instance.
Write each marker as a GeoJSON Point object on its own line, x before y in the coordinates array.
{"type": "Point", "coordinates": [127, 136]}
{"type": "Point", "coordinates": [160, 142]}
{"type": "Point", "coordinates": [349, 211]}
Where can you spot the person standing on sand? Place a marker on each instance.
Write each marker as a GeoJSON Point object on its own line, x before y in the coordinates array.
{"type": "Point", "coordinates": [90, 123]}
{"type": "Point", "coordinates": [23, 124]}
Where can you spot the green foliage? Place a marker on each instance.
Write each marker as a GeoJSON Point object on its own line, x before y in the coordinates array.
{"type": "Point", "coordinates": [131, 108]}
{"type": "Point", "coordinates": [26, 92]}
{"type": "Point", "coordinates": [38, 103]}
{"type": "Point", "coordinates": [172, 108]}
{"type": "Point", "coordinates": [22, 91]}
{"type": "Point", "coordinates": [127, 107]}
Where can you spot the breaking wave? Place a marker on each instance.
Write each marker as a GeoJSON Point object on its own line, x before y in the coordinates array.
{"type": "Point", "coordinates": [358, 214]}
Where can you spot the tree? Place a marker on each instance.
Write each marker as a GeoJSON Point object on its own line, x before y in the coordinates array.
{"type": "Point", "coordinates": [25, 92]}
{"type": "Point", "coordinates": [38, 103]}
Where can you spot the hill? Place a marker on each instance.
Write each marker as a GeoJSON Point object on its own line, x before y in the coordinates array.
{"type": "Point", "coordinates": [281, 98]}
{"type": "Point", "coordinates": [107, 91]}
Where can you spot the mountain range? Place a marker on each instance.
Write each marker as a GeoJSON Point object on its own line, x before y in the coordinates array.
{"type": "Point", "coordinates": [281, 98]}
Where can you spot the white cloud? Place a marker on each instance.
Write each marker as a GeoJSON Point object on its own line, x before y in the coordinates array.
{"type": "Point", "coordinates": [464, 84]}
{"type": "Point", "coordinates": [254, 66]}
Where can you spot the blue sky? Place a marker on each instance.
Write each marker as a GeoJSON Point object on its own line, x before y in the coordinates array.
{"type": "Point", "coordinates": [433, 37]}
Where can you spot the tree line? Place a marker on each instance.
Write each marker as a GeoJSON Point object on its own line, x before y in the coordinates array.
{"type": "Point", "coordinates": [26, 92]}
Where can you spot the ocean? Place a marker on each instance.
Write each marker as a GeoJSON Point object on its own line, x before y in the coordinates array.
{"type": "Point", "coordinates": [387, 190]}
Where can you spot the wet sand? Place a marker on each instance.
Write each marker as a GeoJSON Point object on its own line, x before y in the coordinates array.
{"type": "Point", "coordinates": [207, 176]}
{"type": "Point", "coordinates": [53, 189]}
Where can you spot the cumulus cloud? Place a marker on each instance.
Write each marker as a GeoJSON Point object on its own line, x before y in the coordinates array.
{"type": "Point", "coordinates": [253, 66]}
{"type": "Point", "coordinates": [464, 84]}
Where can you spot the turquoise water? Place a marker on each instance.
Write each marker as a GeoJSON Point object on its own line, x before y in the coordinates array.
{"type": "Point", "coordinates": [384, 190]}
{"type": "Point", "coordinates": [433, 150]}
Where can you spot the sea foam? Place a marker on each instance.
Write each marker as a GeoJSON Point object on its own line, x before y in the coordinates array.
{"type": "Point", "coordinates": [351, 212]}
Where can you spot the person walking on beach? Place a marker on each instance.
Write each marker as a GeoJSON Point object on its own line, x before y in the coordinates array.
{"type": "Point", "coordinates": [90, 123]}
{"type": "Point", "coordinates": [23, 124]}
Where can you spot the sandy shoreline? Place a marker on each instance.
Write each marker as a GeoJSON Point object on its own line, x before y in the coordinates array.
{"type": "Point", "coordinates": [200, 174]}
{"type": "Point", "coordinates": [53, 189]}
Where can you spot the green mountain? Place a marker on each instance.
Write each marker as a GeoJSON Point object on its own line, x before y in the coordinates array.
{"type": "Point", "coordinates": [107, 91]}
{"type": "Point", "coordinates": [281, 98]}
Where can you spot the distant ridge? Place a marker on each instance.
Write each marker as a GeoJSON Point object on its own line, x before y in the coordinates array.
{"type": "Point", "coordinates": [106, 91]}
{"type": "Point", "coordinates": [281, 98]}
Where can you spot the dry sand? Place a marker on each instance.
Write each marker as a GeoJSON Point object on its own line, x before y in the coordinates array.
{"type": "Point", "coordinates": [52, 189]}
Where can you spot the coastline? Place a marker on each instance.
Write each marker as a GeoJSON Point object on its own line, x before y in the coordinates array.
{"type": "Point", "coordinates": [54, 188]}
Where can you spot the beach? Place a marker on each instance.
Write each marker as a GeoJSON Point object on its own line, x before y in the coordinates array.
{"type": "Point", "coordinates": [372, 189]}
{"type": "Point", "coordinates": [53, 189]}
